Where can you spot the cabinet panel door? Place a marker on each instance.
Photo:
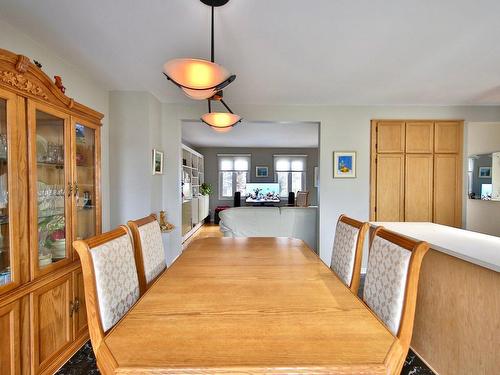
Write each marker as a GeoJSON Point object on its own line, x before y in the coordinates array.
{"type": "Point", "coordinates": [86, 174]}
{"type": "Point", "coordinates": [10, 360]}
{"type": "Point", "coordinates": [80, 314]}
{"type": "Point", "coordinates": [51, 322]}
{"type": "Point", "coordinates": [418, 187]}
{"type": "Point", "coordinates": [50, 187]}
{"type": "Point", "coordinates": [420, 137]}
{"type": "Point", "coordinates": [390, 187]}
{"type": "Point", "coordinates": [447, 190]}
{"type": "Point", "coordinates": [448, 137]}
{"type": "Point", "coordinates": [390, 136]}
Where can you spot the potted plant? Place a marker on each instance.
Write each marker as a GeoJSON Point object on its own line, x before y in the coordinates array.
{"type": "Point", "coordinates": [205, 189]}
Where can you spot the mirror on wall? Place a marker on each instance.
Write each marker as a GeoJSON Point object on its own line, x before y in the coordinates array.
{"type": "Point", "coordinates": [484, 176]}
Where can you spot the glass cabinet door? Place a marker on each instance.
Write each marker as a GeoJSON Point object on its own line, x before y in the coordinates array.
{"type": "Point", "coordinates": [9, 257]}
{"type": "Point", "coordinates": [85, 191]}
{"type": "Point", "coordinates": [51, 187]}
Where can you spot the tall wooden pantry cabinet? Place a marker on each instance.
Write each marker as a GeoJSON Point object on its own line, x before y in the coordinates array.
{"type": "Point", "coordinates": [49, 196]}
{"type": "Point", "coordinates": [416, 171]}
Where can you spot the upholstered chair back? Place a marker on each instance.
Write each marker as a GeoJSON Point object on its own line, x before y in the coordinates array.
{"type": "Point", "coordinates": [110, 279]}
{"type": "Point", "coordinates": [149, 250]}
{"type": "Point", "coordinates": [347, 251]}
{"type": "Point", "coordinates": [391, 283]}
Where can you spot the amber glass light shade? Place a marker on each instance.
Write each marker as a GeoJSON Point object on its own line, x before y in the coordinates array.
{"type": "Point", "coordinates": [199, 79]}
{"type": "Point", "coordinates": [220, 119]}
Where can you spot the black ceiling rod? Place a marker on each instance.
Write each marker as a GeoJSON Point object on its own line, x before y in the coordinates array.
{"type": "Point", "coordinates": [209, 105]}
{"type": "Point", "coordinates": [212, 39]}
{"type": "Point", "coordinates": [225, 105]}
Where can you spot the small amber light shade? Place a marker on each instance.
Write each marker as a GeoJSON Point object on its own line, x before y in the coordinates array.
{"type": "Point", "coordinates": [220, 119]}
{"type": "Point", "coordinates": [199, 79]}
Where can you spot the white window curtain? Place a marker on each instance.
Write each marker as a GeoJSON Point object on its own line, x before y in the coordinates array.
{"type": "Point", "coordinates": [290, 173]}
{"type": "Point", "coordinates": [233, 174]}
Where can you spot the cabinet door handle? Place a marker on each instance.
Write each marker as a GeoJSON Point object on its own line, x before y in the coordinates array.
{"type": "Point", "coordinates": [77, 304]}
{"type": "Point", "coordinates": [70, 189]}
{"type": "Point", "coordinates": [71, 309]}
{"type": "Point", "coordinates": [76, 189]}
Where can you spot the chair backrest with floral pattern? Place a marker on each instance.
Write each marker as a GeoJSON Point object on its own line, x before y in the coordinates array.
{"type": "Point", "coordinates": [110, 279]}
{"type": "Point", "coordinates": [347, 251]}
{"type": "Point", "coordinates": [149, 249]}
{"type": "Point", "coordinates": [391, 283]}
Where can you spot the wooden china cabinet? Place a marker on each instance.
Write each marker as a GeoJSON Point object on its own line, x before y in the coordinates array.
{"type": "Point", "coordinates": [49, 196]}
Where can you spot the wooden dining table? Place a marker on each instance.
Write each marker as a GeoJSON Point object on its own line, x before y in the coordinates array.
{"type": "Point", "coordinates": [249, 306]}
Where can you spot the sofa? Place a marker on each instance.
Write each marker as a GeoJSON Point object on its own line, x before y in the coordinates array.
{"type": "Point", "coordinates": [294, 222]}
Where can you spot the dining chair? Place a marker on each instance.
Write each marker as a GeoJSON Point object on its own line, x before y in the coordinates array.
{"type": "Point", "coordinates": [391, 282]}
{"type": "Point", "coordinates": [347, 251]}
{"type": "Point", "coordinates": [110, 281]}
{"type": "Point", "coordinates": [149, 252]}
{"type": "Point", "coordinates": [302, 199]}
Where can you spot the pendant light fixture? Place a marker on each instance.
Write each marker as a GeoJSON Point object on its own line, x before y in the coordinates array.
{"type": "Point", "coordinates": [199, 79]}
{"type": "Point", "coordinates": [220, 121]}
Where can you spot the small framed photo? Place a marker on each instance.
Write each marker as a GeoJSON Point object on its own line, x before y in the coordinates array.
{"type": "Point", "coordinates": [261, 171]}
{"type": "Point", "coordinates": [157, 162]}
{"type": "Point", "coordinates": [484, 172]}
{"type": "Point", "coordinates": [344, 164]}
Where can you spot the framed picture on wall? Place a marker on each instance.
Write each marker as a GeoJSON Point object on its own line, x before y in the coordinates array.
{"type": "Point", "coordinates": [261, 171]}
{"type": "Point", "coordinates": [344, 164]}
{"type": "Point", "coordinates": [157, 162]}
{"type": "Point", "coordinates": [484, 172]}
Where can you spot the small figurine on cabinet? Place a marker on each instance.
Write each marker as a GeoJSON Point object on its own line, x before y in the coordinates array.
{"type": "Point", "coordinates": [165, 226]}
{"type": "Point", "coordinates": [59, 84]}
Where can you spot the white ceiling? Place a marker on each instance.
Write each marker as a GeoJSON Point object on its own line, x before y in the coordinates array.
{"type": "Point", "coordinates": [283, 51]}
{"type": "Point", "coordinates": [253, 134]}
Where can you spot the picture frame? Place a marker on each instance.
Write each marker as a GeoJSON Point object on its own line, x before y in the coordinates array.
{"type": "Point", "coordinates": [261, 171]}
{"type": "Point", "coordinates": [344, 164]}
{"type": "Point", "coordinates": [484, 172]}
{"type": "Point", "coordinates": [157, 162]}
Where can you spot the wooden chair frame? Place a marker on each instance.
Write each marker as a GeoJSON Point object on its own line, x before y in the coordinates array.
{"type": "Point", "coordinates": [356, 272]}
{"type": "Point", "coordinates": [418, 250]}
{"type": "Point", "coordinates": [84, 249]}
{"type": "Point", "coordinates": [299, 196]}
{"type": "Point", "coordinates": [134, 228]}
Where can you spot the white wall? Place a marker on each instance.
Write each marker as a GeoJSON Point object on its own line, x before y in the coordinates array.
{"type": "Point", "coordinates": [135, 122]}
{"type": "Point", "coordinates": [342, 128]}
{"type": "Point", "coordinates": [79, 86]}
{"type": "Point", "coordinates": [482, 216]}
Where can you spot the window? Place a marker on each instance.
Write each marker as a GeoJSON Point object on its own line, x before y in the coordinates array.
{"type": "Point", "coordinates": [290, 173]}
{"type": "Point", "coordinates": [233, 174]}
